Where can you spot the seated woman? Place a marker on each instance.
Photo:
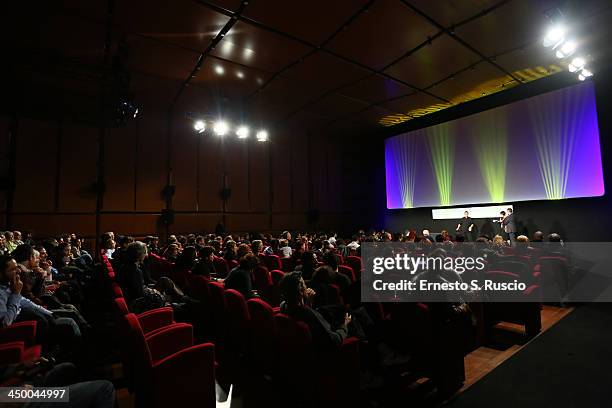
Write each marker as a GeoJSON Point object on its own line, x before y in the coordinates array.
{"type": "Point", "coordinates": [296, 304]}
{"type": "Point", "coordinates": [240, 279]}
{"type": "Point", "coordinates": [205, 266]}
{"type": "Point", "coordinates": [133, 280]}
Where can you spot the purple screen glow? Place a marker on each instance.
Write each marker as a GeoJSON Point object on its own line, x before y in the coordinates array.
{"type": "Point", "coordinates": [542, 148]}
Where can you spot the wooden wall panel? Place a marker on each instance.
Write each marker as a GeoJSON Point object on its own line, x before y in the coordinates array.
{"type": "Point", "coordinates": [247, 222]}
{"type": "Point", "coordinates": [319, 174]}
{"type": "Point", "coordinates": [184, 160]}
{"type": "Point", "coordinates": [4, 163]}
{"type": "Point", "coordinates": [281, 174]}
{"type": "Point", "coordinates": [334, 178]}
{"type": "Point", "coordinates": [259, 180]}
{"type": "Point", "coordinates": [295, 221]}
{"type": "Point", "coordinates": [299, 170]}
{"type": "Point", "coordinates": [194, 223]}
{"type": "Point", "coordinates": [43, 225]}
{"type": "Point", "coordinates": [152, 168]}
{"type": "Point", "coordinates": [120, 168]}
{"type": "Point", "coordinates": [236, 153]}
{"type": "Point", "coordinates": [35, 166]}
{"type": "Point", "coordinates": [211, 173]}
{"type": "Point", "coordinates": [78, 161]}
{"type": "Point", "coordinates": [131, 224]}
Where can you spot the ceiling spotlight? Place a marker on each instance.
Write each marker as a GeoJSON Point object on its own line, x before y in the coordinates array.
{"type": "Point", "coordinates": [220, 128]}
{"type": "Point", "coordinates": [584, 74]}
{"type": "Point", "coordinates": [262, 136]}
{"type": "Point", "coordinates": [239, 74]}
{"type": "Point", "coordinates": [242, 132]}
{"type": "Point", "coordinates": [566, 49]}
{"type": "Point", "coordinates": [199, 126]}
{"type": "Point", "coordinates": [554, 36]}
{"type": "Point", "coordinates": [577, 64]}
{"type": "Point", "coordinates": [219, 69]}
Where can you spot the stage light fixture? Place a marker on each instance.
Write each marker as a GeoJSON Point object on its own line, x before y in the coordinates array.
{"type": "Point", "coordinates": [554, 36]}
{"type": "Point", "coordinates": [242, 132]}
{"type": "Point", "coordinates": [566, 49]}
{"type": "Point", "coordinates": [199, 126]}
{"type": "Point", "coordinates": [576, 65]}
{"type": "Point", "coordinates": [220, 128]}
{"type": "Point", "coordinates": [262, 136]}
{"type": "Point", "coordinates": [584, 74]}
{"type": "Point", "coordinates": [219, 70]}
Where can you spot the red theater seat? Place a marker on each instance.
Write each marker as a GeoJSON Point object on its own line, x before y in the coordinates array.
{"type": "Point", "coordinates": [167, 357]}
{"type": "Point", "coordinates": [17, 343]}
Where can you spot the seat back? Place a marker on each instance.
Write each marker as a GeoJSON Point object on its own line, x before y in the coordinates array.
{"type": "Point", "coordinates": [554, 277]}
{"type": "Point", "coordinates": [294, 348]}
{"type": "Point", "coordinates": [218, 309]}
{"type": "Point", "coordinates": [121, 307]}
{"type": "Point", "coordinates": [287, 264]}
{"type": "Point", "coordinates": [264, 340]}
{"type": "Point", "coordinates": [347, 271]}
{"type": "Point", "coordinates": [261, 278]}
{"type": "Point", "coordinates": [221, 267]}
{"type": "Point", "coordinates": [355, 263]}
{"type": "Point", "coordinates": [237, 320]}
{"type": "Point", "coordinates": [272, 262]}
{"type": "Point", "coordinates": [519, 268]}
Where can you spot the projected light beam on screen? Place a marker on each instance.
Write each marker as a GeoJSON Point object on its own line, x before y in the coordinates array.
{"type": "Point", "coordinates": [403, 167]}
{"type": "Point", "coordinates": [555, 133]}
{"type": "Point", "coordinates": [544, 147]}
{"type": "Point", "coordinates": [490, 143]}
{"type": "Point", "coordinates": [441, 148]}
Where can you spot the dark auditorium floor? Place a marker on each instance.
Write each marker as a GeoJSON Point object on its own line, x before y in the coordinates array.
{"type": "Point", "coordinates": [565, 367]}
{"type": "Point", "coordinates": [506, 340]}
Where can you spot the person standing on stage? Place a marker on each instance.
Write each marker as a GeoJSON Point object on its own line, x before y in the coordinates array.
{"type": "Point", "coordinates": [509, 226]}
{"type": "Point", "coordinates": [465, 226]}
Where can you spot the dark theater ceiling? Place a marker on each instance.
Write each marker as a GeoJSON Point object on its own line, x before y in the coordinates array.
{"type": "Point", "coordinates": [319, 65]}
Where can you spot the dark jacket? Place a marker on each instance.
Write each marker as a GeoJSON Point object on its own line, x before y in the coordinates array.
{"type": "Point", "coordinates": [131, 280]}
{"type": "Point", "coordinates": [240, 280]}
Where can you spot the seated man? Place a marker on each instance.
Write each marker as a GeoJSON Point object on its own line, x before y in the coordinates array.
{"type": "Point", "coordinates": [296, 304]}
{"type": "Point", "coordinates": [14, 307]}
{"type": "Point", "coordinates": [239, 278]}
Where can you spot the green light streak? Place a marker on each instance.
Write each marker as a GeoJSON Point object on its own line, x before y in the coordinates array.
{"type": "Point", "coordinates": [491, 147]}
{"type": "Point", "coordinates": [554, 142]}
{"type": "Point", "coordinates": [441, 149]}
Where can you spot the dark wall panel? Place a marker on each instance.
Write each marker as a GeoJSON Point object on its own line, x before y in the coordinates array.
{"type": "Point", "coordinates": [4, 162]}
{"type": "Point", "coordinates": [131, 224]}
{"type": "Point", "coordinates": [194, 223]}
{"type": "Point", "coordinates": [281, 175]}
{"type": "Point", "coordinates": [237, 175]}
{"type": "Point", "coordinates": [211, 174]}
{"type": "Point", "coordinates": [247, 222]}
{"type": "Point", "coordinates": [120, 168]}
{"type": "Point", "coordinates": [184, 146]}
{"type": "Point", "coordinates": [44, 225]}
{"type": "Point", "coordinates": [259, 179]}
{"type": "Point", "coordinates": [299, 170]}
{"type": "Point", "coordinates": [36, 166]}
{"type": "Point", "coordinates": [78, 158]}
{"type": "Point", "coordinates": [334, 178]}
{"type": "Point", "coordinates": [152, 167]}
{"type": "Point", "coordinates": [320, 197]}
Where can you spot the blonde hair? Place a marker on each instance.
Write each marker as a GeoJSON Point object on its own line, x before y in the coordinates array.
{"type": "Point", "coordinates": [499, 240]}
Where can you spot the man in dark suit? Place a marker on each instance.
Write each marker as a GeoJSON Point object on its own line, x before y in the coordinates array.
{"type": "Point", "coordinates": [465, 226]}
{"type": "Point", "coordinates": [510, 226]}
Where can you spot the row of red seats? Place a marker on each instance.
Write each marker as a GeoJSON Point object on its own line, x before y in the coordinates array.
{"type": "Point", "coordinates": [156, 352]}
